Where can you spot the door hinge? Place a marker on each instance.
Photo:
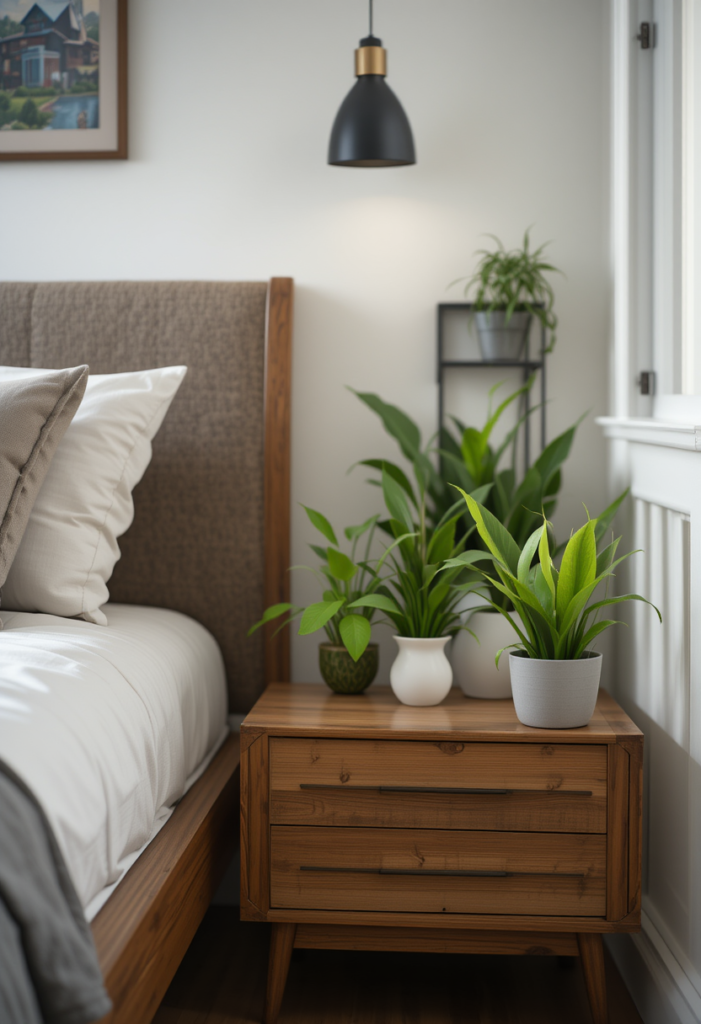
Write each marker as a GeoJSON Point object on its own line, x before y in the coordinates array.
{"type": "Point", "coordinates": [646, 382]}
{"type": "Point", "coordinates": [645, 36]}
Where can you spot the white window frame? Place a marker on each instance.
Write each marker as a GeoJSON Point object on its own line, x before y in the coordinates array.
{"type": "Point", "coordinates": [656, 209]}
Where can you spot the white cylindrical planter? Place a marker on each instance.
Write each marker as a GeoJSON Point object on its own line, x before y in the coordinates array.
{"type": "Point", "coordinates": [555, 694]}
{"type": "Point", "coordinates": [473, 660]}
{"type": "Point", "coordinates": [421, 674]}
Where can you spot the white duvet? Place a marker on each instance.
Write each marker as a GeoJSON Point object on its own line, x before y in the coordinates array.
{"type": "Point", "coordinates": [107, 724]}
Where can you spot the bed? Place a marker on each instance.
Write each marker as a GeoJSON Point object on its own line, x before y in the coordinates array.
{"type": "Point", "coordinates": [210, 540]}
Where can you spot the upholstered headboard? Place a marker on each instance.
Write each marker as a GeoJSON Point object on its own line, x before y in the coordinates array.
{"type": "Point", "coordinates": [211, 530]}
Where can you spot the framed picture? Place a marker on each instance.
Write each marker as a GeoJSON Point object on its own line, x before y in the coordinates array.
{"type": "Point", "coordinates": [63, 79]}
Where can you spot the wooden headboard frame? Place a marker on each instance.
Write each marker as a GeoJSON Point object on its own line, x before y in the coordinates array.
{"type": "Point", "coordinates": [278, 372]}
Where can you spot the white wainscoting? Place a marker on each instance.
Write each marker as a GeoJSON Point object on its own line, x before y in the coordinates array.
{"type": "Point", "coordinates": [658, 681]}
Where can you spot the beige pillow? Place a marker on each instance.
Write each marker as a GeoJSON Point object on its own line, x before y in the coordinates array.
{"type": "Point", "coordinates": [34, 414]}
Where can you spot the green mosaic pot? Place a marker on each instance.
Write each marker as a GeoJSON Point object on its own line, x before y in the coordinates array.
{"type": "Point", "coordinates": [344, 675]}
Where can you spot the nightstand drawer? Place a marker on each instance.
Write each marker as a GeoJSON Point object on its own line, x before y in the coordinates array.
{"type": "Point", "coordinates": [402, 784]}
{"type": "Point", "coordinates": [416, 870]}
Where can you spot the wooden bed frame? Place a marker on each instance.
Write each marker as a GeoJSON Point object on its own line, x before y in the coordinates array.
{"type": "Point", "coordinates": [145, 927]}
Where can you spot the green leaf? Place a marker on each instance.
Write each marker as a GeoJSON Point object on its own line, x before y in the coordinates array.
{"type": "Point", "coordinates": [605, 558]}
{"type": "Point", "coordinates": [385, 604]}
{"type": "Point", "coordinates": [591, 634]}
{"type": "Point", "coordinates": [394, 471]}
{"type": "Point", "coordinates": [473, 449]}
{"type": "Point", "coordinates": [340, 565]}
{"type": "Point", "coordinates": [577, 568]}
{"type": "Point", "coordinates": [443, 541]}
{"type": "Point", "coordinates": [319, 551]}
{"type": "Point", "coordinates": [551, 458]}
{"type": "Point", "coordinates": [273, 612]}
{"type": "Point", "coordinates": [396, 423]}
{"type": "Point", "coordinates": [396, 502]}
{"type": "Point", "coordinates": [495, 536]}
{"type": "Point", "coordinates": [394, 544]}
{"type": "Point", "coordinates": [317, 615]}
{"type": "Point", "coordinates": [546, 562]}
{"type": "Point", "coordinates": [467, 559]}
{"type": "Point", "coordinates": [355, 633]}
{"type": "Point", "coordinates": [620, 599]}
{"type": "Point", "coordinates": [322, 524]}
{"type": "Point", "coordinates": [529, 550]}
{"type": "Point", "coordinates": [353, 532]}
{"type": "Point", "coordinates": [607, 516]}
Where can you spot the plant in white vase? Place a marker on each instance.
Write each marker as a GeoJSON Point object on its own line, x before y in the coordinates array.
{"type": "Point", "coordinates": [423, 605]}
{"type": "Point", "coordinates": [554, 672]}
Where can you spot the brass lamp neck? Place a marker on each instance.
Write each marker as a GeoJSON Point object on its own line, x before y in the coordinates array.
{"type": "Point", "coordinates": [370, 57]}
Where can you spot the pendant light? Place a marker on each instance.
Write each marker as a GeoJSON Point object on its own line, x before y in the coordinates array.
{"type": "Point", "coordinates": [371, 128]}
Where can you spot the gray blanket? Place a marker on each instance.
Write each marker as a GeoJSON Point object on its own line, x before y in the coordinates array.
{"type": "Point", "coordinates": [48, 964]}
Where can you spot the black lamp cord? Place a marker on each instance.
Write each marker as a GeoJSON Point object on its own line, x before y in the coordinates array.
{"type": "Point", "coordinates": [370, 2]}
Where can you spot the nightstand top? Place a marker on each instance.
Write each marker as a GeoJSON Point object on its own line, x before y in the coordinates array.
{"type": "Point", "coordinates": [311, 709]}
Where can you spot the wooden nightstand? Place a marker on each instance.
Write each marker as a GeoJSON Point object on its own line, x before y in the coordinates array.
{"type": "Point", "coordinates": [366, 824]}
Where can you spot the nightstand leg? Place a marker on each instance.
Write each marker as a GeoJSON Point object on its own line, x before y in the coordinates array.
{"type": "Point", "coordinates": [591, 951]}
{"type": "Point", "coordinates": [282, 941]}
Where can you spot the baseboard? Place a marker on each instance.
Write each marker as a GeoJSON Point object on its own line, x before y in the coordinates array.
{"type": "Point", "coordinates": [659, 985]}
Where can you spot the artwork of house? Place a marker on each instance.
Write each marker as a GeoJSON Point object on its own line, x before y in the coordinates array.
{"type": "Point", "coordinates": [53, 48]}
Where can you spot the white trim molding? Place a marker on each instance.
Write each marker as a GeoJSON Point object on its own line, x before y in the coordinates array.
{"type": "Point", "coordinates": [663, 990]}
{"type": "Point", "coordinates": [651, 431]}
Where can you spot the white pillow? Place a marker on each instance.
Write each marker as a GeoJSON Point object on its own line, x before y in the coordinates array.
{"type": "Point", "coordinates": [69, 549]}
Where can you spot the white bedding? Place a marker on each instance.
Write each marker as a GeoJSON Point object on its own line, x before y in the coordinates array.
{"type": "Point", "coordinates": [108, 725]}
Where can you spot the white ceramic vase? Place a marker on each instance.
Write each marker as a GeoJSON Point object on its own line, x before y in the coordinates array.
{"type": "Point", "coordinates": [421, 674]}
{"type": "Point", "coordinates": [473, 660]}
{"type": "Point", "coordinates": [555, 694]}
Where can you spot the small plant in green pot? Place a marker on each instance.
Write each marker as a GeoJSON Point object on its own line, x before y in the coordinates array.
{"type": "Point", "coordinates": [510, 287]}
{"type": "Point", "coordinates": [554, 673]}
{"type": "Point", "coordinates": [348, 661]}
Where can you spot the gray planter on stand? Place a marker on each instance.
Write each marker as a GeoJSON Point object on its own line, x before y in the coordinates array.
{"type": "Point", "coordinates": [498, 339]}
{"type": "Point", "coordinates": [555, 694]}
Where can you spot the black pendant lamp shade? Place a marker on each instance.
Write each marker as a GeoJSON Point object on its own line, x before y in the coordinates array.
{"type": "Point", "coordinates": [371, 128]}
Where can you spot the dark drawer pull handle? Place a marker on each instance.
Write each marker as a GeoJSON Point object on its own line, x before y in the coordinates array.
{"type": "Point", "coordinates": [446, 789]}
{"type": "Point", "coordinates": [436, 871]}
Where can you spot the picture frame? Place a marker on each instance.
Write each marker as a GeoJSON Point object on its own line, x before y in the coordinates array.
{"type": "Point", "coordinates": [63, 80]}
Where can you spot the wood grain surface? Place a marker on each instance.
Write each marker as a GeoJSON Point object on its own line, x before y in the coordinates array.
{"type": "Point", "coordinates": [282, 942]}
{"type": "Point", "coordinates": [145, 927]}
{"type": "Point", "coordinates": [591, 950]}
{"type": "Point", "coordinates": [548, 787]}
{"type": "Point", "coordinates": [255, 846]}
{"type": "Point", "coordinates": [618, 829]}
{"type": "Point", "coordinates": [276, 512]}
{"type": "Point", "coordinates": [403, 869]}
{"type": "Point", "coordinates": [308, 709]}
{"type": "Point", "coordinates": [436, 940]}
{"type": "Point", "coordinates": [222, 981]}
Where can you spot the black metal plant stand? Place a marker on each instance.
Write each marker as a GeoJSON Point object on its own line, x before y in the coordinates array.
{"type": "Point", "coordinates": [527, 364]}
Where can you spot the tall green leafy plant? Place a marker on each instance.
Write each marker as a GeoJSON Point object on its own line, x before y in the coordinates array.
{"type": "Point", "coordinates": [350, 589]}
{"type": "Point", "coordinates": [514, 281]}
{"type": "Point", "coordinates": [557, 607]}
{"type": "Point", "coordinates": [470, 459]}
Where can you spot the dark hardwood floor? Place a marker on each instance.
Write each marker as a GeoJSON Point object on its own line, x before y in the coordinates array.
{"type": "Point", "coordinates": [222, 981]}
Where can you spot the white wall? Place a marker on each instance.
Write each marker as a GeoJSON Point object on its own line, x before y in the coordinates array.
{"type": "Point", "coordinates": [227, 179]}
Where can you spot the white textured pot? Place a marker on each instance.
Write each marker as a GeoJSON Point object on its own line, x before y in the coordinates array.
{"type": "Point", "coordinates": [555, 694]}
{"type": "Point", "coordinates": [421, 674]}
{"type": "Point", "coordinates": [473, 660]}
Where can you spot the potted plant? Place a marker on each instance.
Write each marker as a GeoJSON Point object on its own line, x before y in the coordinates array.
{"type": "Point", "coordinates": [348, 661]}
{"type": "Point", "coordinates": [470, 459]}
{"type": "Point", "coordinates": [510, 288]}
{"type": "Point", "coordinates": [420, 604]}
{"type": "Point", "coordinates": [554, 673]}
